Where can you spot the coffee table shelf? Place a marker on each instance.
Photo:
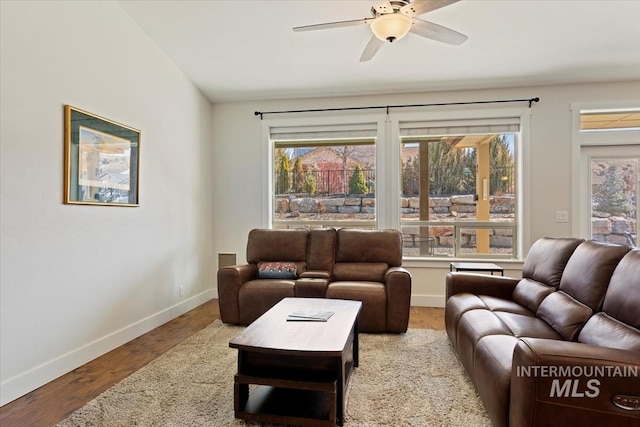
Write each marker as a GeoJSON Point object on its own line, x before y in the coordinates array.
{"type": "Point", "coordinates": [285, 401]}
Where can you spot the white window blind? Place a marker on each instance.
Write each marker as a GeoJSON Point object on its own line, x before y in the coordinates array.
{"type": "Point", "coordinates": [460, 127]}
{"type": "Point", "coordinates": [352, 134]}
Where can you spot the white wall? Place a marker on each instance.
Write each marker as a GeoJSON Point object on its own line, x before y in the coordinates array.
{"type": "Point", "coordinates": [77, 281]}
{"type": "Point", "coordinates": [238, 142]}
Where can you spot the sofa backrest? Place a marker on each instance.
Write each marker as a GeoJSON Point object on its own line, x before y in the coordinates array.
{"type": "Point", "coordinates": [547, 259]}
{"type": "Point", "coordinates": [321, 252]}
{"type": "Point", "coordinates": [370, 246]}
{"type": "Point", "coordinates": [542, 270]}
{"type": "Point", "coordinates": [583, 286]}
{"type": "Point", "coordinates": [278, 245]}
{"type": "Point", "coordinates": [618, 324]}
{"type": "Point", "coordinates": [366, 254]}
{"type": "Point", "coordinates": [589, 271]}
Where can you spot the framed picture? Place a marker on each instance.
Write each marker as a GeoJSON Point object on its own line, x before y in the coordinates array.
{"type": "Point", "coordinates": [101, 160]}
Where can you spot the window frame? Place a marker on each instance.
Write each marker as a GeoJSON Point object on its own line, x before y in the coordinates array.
{"type": "Point", "coordinates": [522, 235]}
{"type": "Point", "coordinates": [580, 225]}
{"type": "Point", "coordinates": [388, 162]}
{"type": "Point", "coordinates": [323, 121]}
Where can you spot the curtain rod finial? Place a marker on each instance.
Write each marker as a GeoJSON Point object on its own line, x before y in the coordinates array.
{"type": "Point", "coordinates": [532, 100]}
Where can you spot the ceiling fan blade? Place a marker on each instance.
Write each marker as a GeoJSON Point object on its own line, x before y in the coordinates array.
{"type": "Point", "coordinates": [437, 32]}
{"type": "Point", "coordinates": [333, 25]}
{"type": "Point", "coordinates": [384, 7]}
{"type": "Point", "coordinates": [371, 49]}
{"type": "Point", "coordinates": [418, 7]}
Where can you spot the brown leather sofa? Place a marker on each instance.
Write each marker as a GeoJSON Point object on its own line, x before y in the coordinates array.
{"type": "Point", "coordinates": [362, 265]}
{"type": "Point", "coordinates": [559, 347]}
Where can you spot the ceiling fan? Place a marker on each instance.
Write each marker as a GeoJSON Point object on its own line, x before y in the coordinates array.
{"type": "Point", "coordinates": [393, 19]}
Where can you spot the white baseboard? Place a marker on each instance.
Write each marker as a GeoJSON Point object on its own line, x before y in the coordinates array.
{"type": "Point", "coordinates": [428, 300]}
{"type": "Point", "coordinates": [38, 376]}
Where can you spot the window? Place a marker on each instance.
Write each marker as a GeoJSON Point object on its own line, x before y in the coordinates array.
{"type": "Point", "coordinates": [324, 176]}
{"type": "Point", "coordinates": [450, 181]}
{"type": "Point", "coordinates": [459, 188]}
{"type": "Point", "coordinates": [607, 121]}
{"type": "Point", "coordinates": [613, 198]}
{"type": "Point", "coordinates": [606, 161]}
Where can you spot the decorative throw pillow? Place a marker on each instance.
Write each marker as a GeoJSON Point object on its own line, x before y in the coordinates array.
{"type": "Point", "coordinates": [277, 270]}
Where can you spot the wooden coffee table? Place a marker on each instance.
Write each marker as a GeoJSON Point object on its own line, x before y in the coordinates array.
{"type": "Point", "coordinates": [298, 370]}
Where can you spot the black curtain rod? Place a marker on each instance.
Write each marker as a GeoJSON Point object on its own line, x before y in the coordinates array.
{"type": "Point", "coordinates": [530, 101]}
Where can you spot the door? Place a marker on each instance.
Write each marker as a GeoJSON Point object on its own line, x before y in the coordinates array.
{"type": "Point", "coordinates": [609, 193]}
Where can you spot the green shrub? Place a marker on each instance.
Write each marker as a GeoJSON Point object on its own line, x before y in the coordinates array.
{"type": "Point", "coordinates": [310, 185]}
{"type": "Point", "coordinates": [283, 183]}
{"type": "Point", "coordinates": [298, 176]}
{"type": "Point", "coordinates": [357, 184]}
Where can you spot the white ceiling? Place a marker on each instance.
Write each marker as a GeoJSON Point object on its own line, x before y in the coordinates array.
{"type": "Point", "coordinates": [246, 49]}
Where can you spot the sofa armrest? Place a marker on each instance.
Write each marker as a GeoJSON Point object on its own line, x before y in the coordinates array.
{"type": "Point", "coordinates": [316, 274]}
{"type": "Point", "coordinates": [230, 279]}
{"type": "Point", "coordinates": [398, 286]}
{"type": "Point", "coordinates": [556, 382]}
{"type": "Point", "coordinates": [480, 284]}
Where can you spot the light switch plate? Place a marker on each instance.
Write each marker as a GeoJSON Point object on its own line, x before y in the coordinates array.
{"type": "Point", "coordinates": [562, 216]}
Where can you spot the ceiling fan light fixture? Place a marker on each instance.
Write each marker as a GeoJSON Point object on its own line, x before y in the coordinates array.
{"type": "Point", "coordinates": [391, 26]}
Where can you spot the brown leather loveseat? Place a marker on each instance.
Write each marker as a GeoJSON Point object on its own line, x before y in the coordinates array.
{"type": "Point", "coordinates": [362, 265]}
{"type": "Point", "coordinates": [561, 346]}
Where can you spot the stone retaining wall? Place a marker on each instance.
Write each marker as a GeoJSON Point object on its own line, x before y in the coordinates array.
{"type": "Point", "coordinates": [615, 229]}
{"type": "Point", "coordinates": [453, 205]}
{"type": "Point", "coordinates": [338, 205]}
{"type": "Point", "coordinates": [612, 229]}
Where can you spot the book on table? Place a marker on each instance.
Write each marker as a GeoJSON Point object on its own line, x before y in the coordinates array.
{"type": "Point", "coordinates": [310, 316]}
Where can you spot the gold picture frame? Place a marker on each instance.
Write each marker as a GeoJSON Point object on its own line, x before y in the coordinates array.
{"type": "Point", "coordinates": [102, 160]}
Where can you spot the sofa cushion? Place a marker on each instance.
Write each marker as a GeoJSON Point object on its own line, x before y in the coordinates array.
{"type": "Point", "coordinates": [456, 306]}
{"type": "Point", "coordinates": [277, 245]}
{"type": "Point", "coordinates": [527, 326]}
{"type": "Point", "coordinates": [589, 270]}
{"type": "Point", "coordinates": [565, 314]}
{"type": "Point", "coordinates": [459, 304]}
{"type": "Point", "coordinates": [547, 259]}
{"type": "Point", "coordinates": [370, 246]}
{"type": "Point", "coordinates": [474, 325]}
{"type": "Point", "coordinates": [277, 270]}
{"type": "Point", "coordinates": [321, 249]}
{"type": "Point", "coordinates": [255, 297]}
{"type": "Point", "coordinates": [530, 293]}
{"type": "Point", "coordinates": [367, 271]}
{"type": "Point", "coordinates": [492, 361]}
{"type": "Point", "coordinates": [605, 331]}
{"type": "Point", "coordinates": [504, 305]}
{"type": "Point", "coordinates": [373, 316]}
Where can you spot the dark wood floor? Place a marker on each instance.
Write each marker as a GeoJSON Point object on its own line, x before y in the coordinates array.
{"type": "Point", "coordinates": [55, 401]}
